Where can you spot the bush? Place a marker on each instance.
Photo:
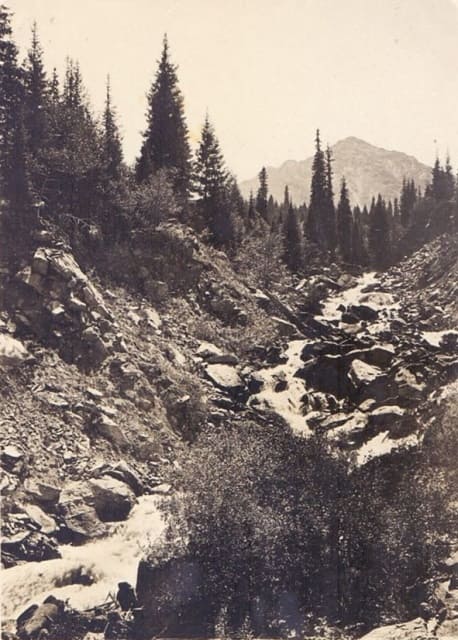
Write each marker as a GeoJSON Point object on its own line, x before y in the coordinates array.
{"type": "Point", "coordinates": [281, 531]}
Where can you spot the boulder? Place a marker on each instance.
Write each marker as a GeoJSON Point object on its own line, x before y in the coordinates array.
{"type": "Point", "coordinates": [113, 499]}
{"type": "Point", "coordinates": [46, 524]}
{"type": "Point", "coordinates": [367, 380]}
{"type": "Point", "coordinates": [207, 350]}
{"type": "Point", "coordinates": [43, 493]}
{"type": "Point", "coordinates": [285, 328]}
{"type": "Point", "coordinates": [408, 387]}
{"type": "Point", "coordinates": [379, 355]}
{"type": "Point", "coordinates": [351, 432]}
{"type": "Point", "coordinates": [12, 456]}
{"type": "Point", "coordinates": [40, 262]}
{"type": "Point", "coordinates": [76, 507]}
{"type": "Point", "coordinates": [412, 630]}
{"type": "Point", "coordinates": [12, 352]}
{"type": "Point", "coordinates": [225, 377]}
{"type": "Point", "coordinates": [109, 429]}
{"type": "Point", "coordinates": [31, 546]}
{"type": "Point", "coordinates": [326, 373]}
{"type": "Point", "coordinates": [32, 622]}
{"type": "Point", "coordinates": [121, 471]}
{"type": "Point", "coordinates": [363, 312]}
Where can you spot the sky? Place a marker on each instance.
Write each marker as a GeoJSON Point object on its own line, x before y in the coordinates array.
{"type": "Point", "coordinates": [269, 72]}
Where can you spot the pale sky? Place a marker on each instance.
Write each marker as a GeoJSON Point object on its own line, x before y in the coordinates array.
{"type": "Point", "coordinates": [269, 71]}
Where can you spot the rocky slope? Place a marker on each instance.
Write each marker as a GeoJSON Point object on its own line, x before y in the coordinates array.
{"type": "Point", "coordinates": [100, 385]}
{"type": "Point", "coordinates": [368, 170]}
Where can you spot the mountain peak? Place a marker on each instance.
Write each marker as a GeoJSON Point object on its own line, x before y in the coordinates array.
{"type": "Point", "coordinates": [368, 170]}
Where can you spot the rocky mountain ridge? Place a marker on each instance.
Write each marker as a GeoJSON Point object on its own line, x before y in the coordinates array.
{"type": "Point", "coordinates": [368, 170]}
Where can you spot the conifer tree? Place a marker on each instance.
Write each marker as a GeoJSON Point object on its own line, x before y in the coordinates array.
{"type": "Point", "coordinates": [111, 139]}
{"type": "Point", "coordinates": [251, 215]}
{"type": "Point", "coordinates": [359, 253]}
{"type": "Point", "coordinates": [165, 141]}
{"type": "Point", "coordinates": [379, 235]}
{"type": "Point", "coordinates": [330, 213]}
{"type": "Point", "coordinates": [14, 170]}
{"type": "Point", "coordinates": [292, 240]}
{"type": "Point", "coordinates": [344, 224]}
{"type": "Point", "coordinates": [449, 180]}
{"type": "Point", "coordinates": [112, 186]}
{"type": "Point", "coordinates": [216, 190]}
{"type": "Point", "coordinates": [36, 97]}
{"type": "Point", "coordinates": [263, 193]}
{"type": "Point", "coordinates": [407, 201]}
{"type": "Point", "coordinates": [315, 227]}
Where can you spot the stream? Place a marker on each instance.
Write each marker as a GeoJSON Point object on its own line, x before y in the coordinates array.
{"type": "Point", "coordinates": [107, 561]}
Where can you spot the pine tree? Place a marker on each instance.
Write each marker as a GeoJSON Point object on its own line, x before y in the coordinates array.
{"type": "Point", "coordinates": [112, 170]}
{"type": "Point", "coordinates": [75, 164]}
{"type": "Point", "coordinates": [14, 169]}
{"type": "Point", "coordinates": [210, 174]}
{"type": "Point", "coordinates": [263, 194]}
{"type": "Point", "coordinates": [111, 139]}
{"type": "Point", "coordinates": [359, 253]}
{"type": "Point", "coordinates": [319, 197]}
{"type": "Point", "coordinates": [408, 199]}
{"type": "Point", "coordinates": [292, 240]}
{"type": "Point", "coordinates": [165, 141]}
{"type": "Point", "coordinates": [216, 191]}
{"type": "Point", "coordinates": [448, 180]}
{"type": "Point", "coordinates": [379, 235]}
{"type": "Point", "coordinates": [36, 97]}
{"type": "Point", "coordinates": [344, 224]}
{"type": "Point", "coordinates": [330, 214]}
{"type": "Point", "coordinates": [251, 215]}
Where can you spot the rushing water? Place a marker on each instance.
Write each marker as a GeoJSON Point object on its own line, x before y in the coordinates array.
{"type": "Point", "coordinates": [107, 561]}
{"type": "Point", "coordinates": [288, 402]}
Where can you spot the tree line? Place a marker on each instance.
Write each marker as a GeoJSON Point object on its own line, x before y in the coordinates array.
{"type": "Point", "coordinates": [61, 164]}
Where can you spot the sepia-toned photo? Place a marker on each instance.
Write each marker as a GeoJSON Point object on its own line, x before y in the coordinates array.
{"type": "Point", "coordinates": [229, 319]}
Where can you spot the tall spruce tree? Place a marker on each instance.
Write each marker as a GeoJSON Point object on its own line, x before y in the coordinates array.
{"type": "Point", "coordinates": [344, 224]}
{"type": "Point", "coordinates": [165, 141]}
{"type": "Point", "coordinates": [407, 201]}
{"type": "Point", "coordinates": [319, 197]}
{"type": "Point", "coordinates": [14, 166]}
{"type": "Point", "coordinates": [379, 235]}
{"type": "Point", "coordinates": [216, 191]}
{"type": "Point", "coordinates": [292, 240]}
{"type": "Point", "coordinates": [112, 170]}
{"type": "Point", "coordinates": [359, 253]}
{"type": "Point", "coordinates": [111, 139]}
{"type": "Point", "coordinates": [330, 213]}
{"type": "Point", "coordinates": [262, 197]}
{"type": "Point", "coordinates": [251, 214]}
{"type": "Point", "coordinates": [36, 97]}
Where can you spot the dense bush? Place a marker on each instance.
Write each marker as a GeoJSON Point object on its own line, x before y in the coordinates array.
{"type": "Point", "coordinates": [281, 529]}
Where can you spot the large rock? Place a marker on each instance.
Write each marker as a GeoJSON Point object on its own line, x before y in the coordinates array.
{"type": "Point", "coordinates": [121, 471]}
{"type": "Point", "coordinates": [36, 619]}
{"type": "Point", "coordinates": [113, 499]}
{"type": "Point", "coordinates": [225, 377]}
{"type": "Point", "coordinates": [367, 381]}
{"type": "Point", "coordinates": [413, 630]}
{"type": "Point", "coordinates": [109, 429]}
{"type": "Point", "coordinates": [31, 546]}
{"type": "Point", "coordinates": [12, 352]}
{"type": "Point", "coordinates": [77, 509]}
{"type": "Point", "coordinates": [326, 373]}
{"type": "Point", "coordinates": [363, 312]}
{"type": "Point", "coordinates": [43, 493]}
